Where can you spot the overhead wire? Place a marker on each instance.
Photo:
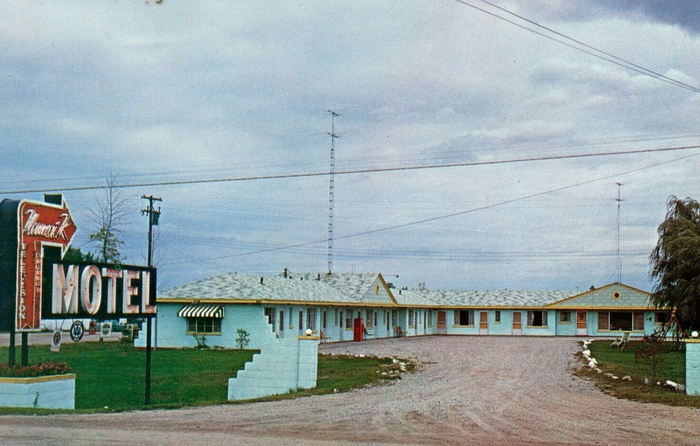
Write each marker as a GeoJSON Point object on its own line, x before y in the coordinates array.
{"type": "Point", "coordinates": [356, 171]}
{"type": "Point", "coordinates": [587, 49]}
{"type": "Point", "coordinates": [444, 216]}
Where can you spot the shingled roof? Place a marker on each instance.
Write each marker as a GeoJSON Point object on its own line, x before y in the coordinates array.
{"type": "Point", "coordinates": [237, 286]}
{"type": "Point", "coordinates": [350, 288]}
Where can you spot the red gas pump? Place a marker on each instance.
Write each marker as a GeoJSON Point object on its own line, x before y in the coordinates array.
{"type": "Point", "coordinates": [359, 326]}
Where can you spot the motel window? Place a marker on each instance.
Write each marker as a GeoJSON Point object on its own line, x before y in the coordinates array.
{"type": "Point", "coordinates": [281, 320]}
{"type": "Point", "coordinates": [291, 319]}
{"type": "Point", "coordinates": [394, 318]}
{"type": "Point", "coordinates": [498, 316]}
{"type": "Point", "coordinates": [301, 320]}
{"type": "Point", "coordinates": [270, 313]}
{"type": "Point", "coordinates": [370, 319]}
{"type": "Point", "coordinates": [348, 320]}
{"type": "Point", "coordinates": [464, 317]}
{"type": "Point", "coordinates": [621, 320]}
{"type": "Point", "coordinates": [430, 318]}
{"type": "Point", "coordinates": [324, 320]}
{"type": "Point", "coordinates": [661, 317]}
{"type": "Point", "coordinates": [565, 316]}
{"type": "Point", "coordinates": [375, 318]}
{"type": "Point", "coordinates": [384, 316]}
{"type": "Point", "coordinates": [411, 318]}
{"type": "Point", "coordinates": [537, 318]}
{"type": "Point", "coordinates": [311, 318]}
{"type": "Point", "coordinates": [203, 325]}
{"type": "Point", "coordinates": [337, 318]}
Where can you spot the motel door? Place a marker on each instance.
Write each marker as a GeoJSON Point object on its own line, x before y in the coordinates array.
{"type": "Point", "coordinates": [483, 322]}
{"type": "Point", "coordinates": [517, 326]}
{"type": "Point", "coordinates": [441, 322]}
{"type": "Point", "coordinates": [581, 323]}
{"type": "Point", "coordinates": [341, 321]}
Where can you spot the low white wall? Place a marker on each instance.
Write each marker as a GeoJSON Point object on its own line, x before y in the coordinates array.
{"type": "Point", "coordinates": [49, 392]}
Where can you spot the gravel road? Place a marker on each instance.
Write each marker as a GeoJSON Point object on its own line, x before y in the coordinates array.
{"type": "Point", "coordinates": [468, 390]}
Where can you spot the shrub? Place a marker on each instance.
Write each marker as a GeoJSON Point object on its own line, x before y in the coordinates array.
{"type": "Point", "coordinates": [243, 338]}
{"type": "Point", "coordinates": [40, 369]}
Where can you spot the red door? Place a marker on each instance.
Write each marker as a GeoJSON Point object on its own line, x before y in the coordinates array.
{"type": "Point", "coordinates": [359, 329]}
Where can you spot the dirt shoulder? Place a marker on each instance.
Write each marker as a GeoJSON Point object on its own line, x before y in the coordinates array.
{"type": "Point", "coordinates": [485, 390]}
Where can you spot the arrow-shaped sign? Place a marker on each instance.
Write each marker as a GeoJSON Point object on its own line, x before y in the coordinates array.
{"type": "Point", "coordinates": [38, 224]}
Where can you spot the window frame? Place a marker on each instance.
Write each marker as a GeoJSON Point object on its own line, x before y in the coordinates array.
{"type": "Point", "coordinates": [463, 316]}
{"type": "Point", "coordinates": [200, 327]}
{"type": "Point", "coordinates": [311, 319]}
{"type": "Point", "coordinates": [270, 313]}
{"type": "Point", "coordinates": [411, 318]}
{"type": "Point", "coordinates": [636, 319]}
{"type": "Point", "coordinates": [531, 319]}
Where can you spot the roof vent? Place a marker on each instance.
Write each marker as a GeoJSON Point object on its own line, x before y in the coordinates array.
{"type": "Point", "coordinates": [591, 288]}
{"type": "Point", "coordinates": [285, 273]}
{"type": "Point", "coordinates": [261, 281]}
{"type": "Point", "coordinates": [318, 277]}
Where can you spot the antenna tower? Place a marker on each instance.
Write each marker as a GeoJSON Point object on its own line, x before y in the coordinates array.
{"type": "Point", "coordinates": [331, 190]}
{"type": "Point", "coordinates": [619, 262]}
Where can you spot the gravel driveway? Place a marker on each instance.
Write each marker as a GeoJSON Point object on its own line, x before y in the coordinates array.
{"type": "Point", "coordinates": [469, 390]}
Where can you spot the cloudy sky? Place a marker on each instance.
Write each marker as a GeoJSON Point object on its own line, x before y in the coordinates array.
{"type": "Point", "coordinates": [222, 89]}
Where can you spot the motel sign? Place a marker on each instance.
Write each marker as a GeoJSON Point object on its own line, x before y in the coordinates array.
{"type": "Point", "coordinates": [35, 284]}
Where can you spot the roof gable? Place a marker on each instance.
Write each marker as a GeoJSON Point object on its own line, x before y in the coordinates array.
{"type": "Point", "coordinates": [614, 295]}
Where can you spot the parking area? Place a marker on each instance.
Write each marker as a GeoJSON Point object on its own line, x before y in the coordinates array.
{"type": "Point", "coordinates": [469, 389]}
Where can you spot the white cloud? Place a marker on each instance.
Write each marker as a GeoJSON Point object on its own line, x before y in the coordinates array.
{"type": "Point", "coordinates": [179, 92]}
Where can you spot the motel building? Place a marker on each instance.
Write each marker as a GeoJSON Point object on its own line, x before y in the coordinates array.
{"type": "Point", "coordinates": [358, 306]}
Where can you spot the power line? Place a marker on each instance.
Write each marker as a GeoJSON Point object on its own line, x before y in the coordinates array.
{"type": "Point", "coordinates": [442, 217]}
{"type": "Point", "coordinates": [354, 171]}
{"type": "Point", "coordinates": [650, 72]}
{"type": "Point", "coordinates": [591, 51]}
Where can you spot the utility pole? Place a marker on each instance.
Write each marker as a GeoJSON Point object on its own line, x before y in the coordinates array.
{"type": "Point", "coordinates": [619, 261]}
{"type": "Point", "coordinates": [153, 217]}
{"type": "Point", "coordinates": [331, 190]}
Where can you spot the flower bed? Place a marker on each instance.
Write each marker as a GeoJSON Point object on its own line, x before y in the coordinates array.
{"type": "Point", "coordinates": [43, 385]}
{"type": "Point", "coordinates": [41, 369]}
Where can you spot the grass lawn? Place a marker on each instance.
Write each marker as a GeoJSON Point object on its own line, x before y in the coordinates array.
{"type": "Point", "coordinates": [107, 377]}
{"type": "Point", "coordinates": [621, 363]}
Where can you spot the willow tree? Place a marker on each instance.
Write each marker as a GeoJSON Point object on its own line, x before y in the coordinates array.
{"type": "Point", "coordinates": [675, 262]}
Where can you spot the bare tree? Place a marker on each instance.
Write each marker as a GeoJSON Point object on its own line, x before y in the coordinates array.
{"type": "Point", "coordinates": [107, 215]}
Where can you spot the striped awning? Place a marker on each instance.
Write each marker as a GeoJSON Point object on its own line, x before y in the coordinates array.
{"type": "Point", "coordinates": [202, 310]}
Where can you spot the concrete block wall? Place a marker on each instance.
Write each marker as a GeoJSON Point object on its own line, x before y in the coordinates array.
{"type": "Point", "coordinates": [692, 366]}
{"type": "Point", "coordinates": [283, 366]}
{"type": "Point", "coordinates": [48, 392]}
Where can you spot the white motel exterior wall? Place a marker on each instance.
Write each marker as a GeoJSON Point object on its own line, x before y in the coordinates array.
{"type": "Point", "coordinates": [170, 331]}
{"type": "Point", "coordinates": [383, 313]}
